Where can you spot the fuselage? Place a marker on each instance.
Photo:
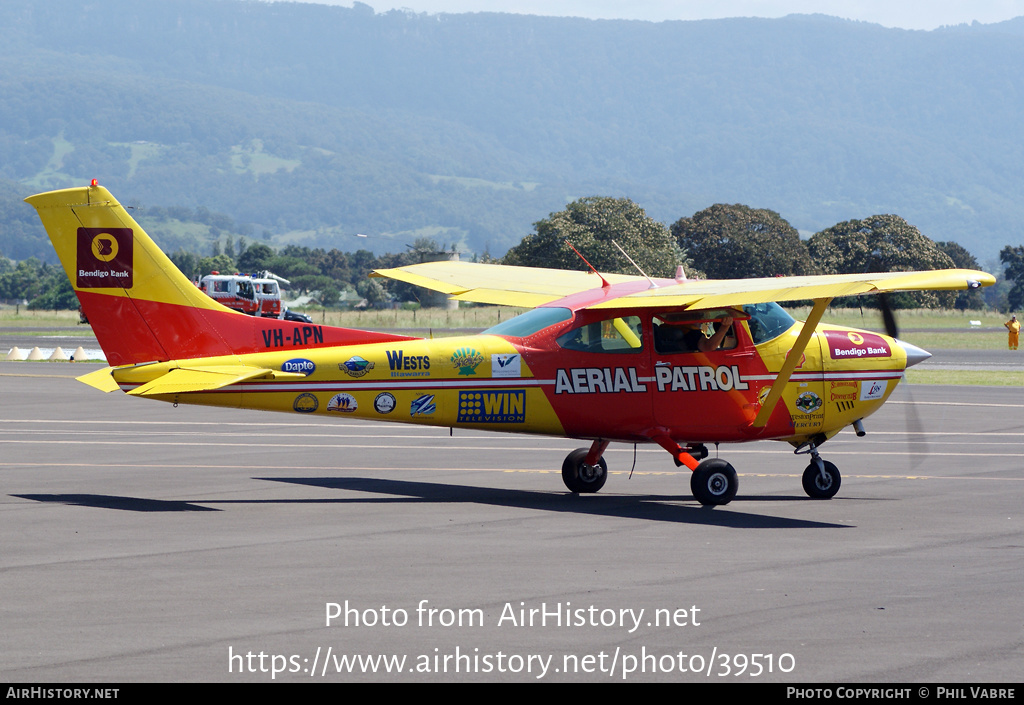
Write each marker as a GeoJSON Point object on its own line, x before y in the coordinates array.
{"type": "Point", "coordinates": [593, 373]}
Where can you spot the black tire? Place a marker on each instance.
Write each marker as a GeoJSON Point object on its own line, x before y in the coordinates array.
{"type": "Point", "coordinates": [714, 482]}
{"type": "Point", "coordinates": [580, 477]}
{"type": "Point", "coordinates": [818, 487]}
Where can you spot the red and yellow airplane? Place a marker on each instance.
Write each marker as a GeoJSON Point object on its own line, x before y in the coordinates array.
{"type": "Point", "coordinates": [602, 358]}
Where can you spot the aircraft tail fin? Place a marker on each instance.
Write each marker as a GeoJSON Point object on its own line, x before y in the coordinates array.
{"type": "Point", "coordinates": [140, 306]}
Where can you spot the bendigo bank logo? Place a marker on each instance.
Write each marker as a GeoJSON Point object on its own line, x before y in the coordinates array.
{"type": "Point", "coordinates": [104, 258]}
{"type": "Point", "coordinates": [846, 345]}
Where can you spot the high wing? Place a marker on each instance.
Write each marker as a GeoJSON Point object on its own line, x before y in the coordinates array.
{"type": "Point", "coordinates": [500, 284]}
{"type": "Point", "coordinates": [528, 286]}
{"type": "Point", "coordinates": [736, 292]}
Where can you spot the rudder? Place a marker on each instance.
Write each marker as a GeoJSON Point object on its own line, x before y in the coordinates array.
{"type": "Point", "coordinates": [123, 281]}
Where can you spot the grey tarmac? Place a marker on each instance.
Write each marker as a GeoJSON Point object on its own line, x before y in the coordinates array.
{"type": "Point", "coordinates": [144, 542]}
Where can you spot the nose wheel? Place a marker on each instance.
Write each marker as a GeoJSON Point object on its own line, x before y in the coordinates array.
{"type": "Point", "coordinates": [821, 482]}
{"type": "Point", "coordinates": [821, 478]}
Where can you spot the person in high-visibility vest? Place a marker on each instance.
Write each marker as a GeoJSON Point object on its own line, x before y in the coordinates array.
{"type": "Point", "coordinates": [1013, 325]}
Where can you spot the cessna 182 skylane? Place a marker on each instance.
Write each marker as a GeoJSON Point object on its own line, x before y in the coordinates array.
{"type": "Point", "coordinates": [599, 357]}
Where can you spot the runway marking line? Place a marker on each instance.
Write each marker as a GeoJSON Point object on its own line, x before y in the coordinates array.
{"type": "Point", "coordinates": [532, 471]}
{"type": "Point", "coordinates": [477, 448]}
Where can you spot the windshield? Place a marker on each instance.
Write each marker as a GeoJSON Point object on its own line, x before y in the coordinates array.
{"type": "Point", "coordinates": [767, 321]}
{"type": "Point", "coordinates": [528, 323]}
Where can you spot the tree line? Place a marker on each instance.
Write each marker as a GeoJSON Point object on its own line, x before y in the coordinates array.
{"type": "Point", "coordinates": [740, 242]}
{"type": "Point", "coordinates": [719, 242]}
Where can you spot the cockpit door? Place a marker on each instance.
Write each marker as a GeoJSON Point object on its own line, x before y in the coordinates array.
{"type": "Point", "coordinates": [700, 395]}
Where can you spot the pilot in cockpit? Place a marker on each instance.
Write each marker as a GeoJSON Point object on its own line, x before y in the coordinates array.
{"type": "Point", "coordinates": [692, 337]}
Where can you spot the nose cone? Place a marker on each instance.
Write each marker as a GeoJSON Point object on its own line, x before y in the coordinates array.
{"type": "Point", "coordinates": [914, 353]}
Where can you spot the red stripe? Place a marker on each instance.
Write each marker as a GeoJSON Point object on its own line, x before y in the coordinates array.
{"type": "Point", "coordinates": [133, 331]}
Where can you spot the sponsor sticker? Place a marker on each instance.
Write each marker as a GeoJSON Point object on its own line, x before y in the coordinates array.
{"type": "Point", "coordinates": [299, 365]}
{"type": "Point", "coordinates": [104, 258]}
{"type": "Point", "coordinates": [384, 403]}
{"type": "Point", "coordinates": [803, 359]}
{"type": "Point", "coordinates": [305, 403]}
{"type": "Point", "coordinates": [874, 389]}
{"type": "Point", "coordinates": [845, 345]}
{"type": "Point", "coordinates": [423, 406]}
{"type": "Point", "coordinates": [355, 366]}
{"type": "Point", "coordinates": [404, 365]}
{"type": "Point", "coordinates": [842, 391]}
{"type": "Point", "coordinates": [345, 403]}
{"type": "Point", "coordinates": [808, 402]}
{"type": "Point", "coordinates": [466, 361]}
{"type": "Point", "coordinates": [504, 406]}
{"type": "Point", "coordinates": [809, 422]}
{"type": "Point", "coordinates": [506, 365]}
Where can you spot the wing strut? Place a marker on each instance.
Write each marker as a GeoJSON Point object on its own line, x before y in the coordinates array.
{"type": "Point", "coordinates": [791, 361]}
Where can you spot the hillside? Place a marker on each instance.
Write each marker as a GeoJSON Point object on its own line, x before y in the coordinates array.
{"type": "Point", "coordinates": [311, 124]}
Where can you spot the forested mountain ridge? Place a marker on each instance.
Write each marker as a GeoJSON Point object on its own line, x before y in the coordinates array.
{"type": "Point", "coordinates": [469, 128]}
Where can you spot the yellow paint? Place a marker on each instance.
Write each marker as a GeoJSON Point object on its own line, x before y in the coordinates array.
{"type": "Point", "coordinates": [457, 367]}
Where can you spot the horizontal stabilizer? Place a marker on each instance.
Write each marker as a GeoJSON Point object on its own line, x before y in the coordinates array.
{"type": "Point", "coordinates": [204, 379]}
{"type": "Point", "coordinates": [100, 379]}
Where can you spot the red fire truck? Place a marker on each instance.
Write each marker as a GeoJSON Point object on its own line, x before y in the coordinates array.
{"type": "Point", "coordinates": [255, 295]}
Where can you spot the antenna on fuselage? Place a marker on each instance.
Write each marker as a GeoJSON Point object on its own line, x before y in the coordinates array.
{"type": "Point", "coordinates": [604, 282]}
{"type": "Point", "coordinates": [653, 284]}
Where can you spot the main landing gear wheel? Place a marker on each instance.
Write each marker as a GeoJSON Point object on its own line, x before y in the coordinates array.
{"type": "Point", "coordinates": [821, 483]}
{"type": "Point", "coordinates": [714, 482]}
{"type": "Point", "coordinates": [580, 477]}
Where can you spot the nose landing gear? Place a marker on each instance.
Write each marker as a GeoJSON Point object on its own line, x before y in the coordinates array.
{"type": "Point", "coordinates": [821, 478]}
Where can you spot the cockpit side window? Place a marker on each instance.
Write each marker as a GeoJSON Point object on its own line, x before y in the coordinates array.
{"type": "Point", "coordinates": [612, 335]}
{"type": "Point", "coordinates": [678, 334]}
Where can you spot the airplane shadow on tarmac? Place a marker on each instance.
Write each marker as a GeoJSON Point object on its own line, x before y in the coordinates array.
{"type": "Point", "coordinates": [108, 501]}
{"type": "Point", "coordinates": [644, 507]}
{"type": "Point", "coordinates": [648, 507]}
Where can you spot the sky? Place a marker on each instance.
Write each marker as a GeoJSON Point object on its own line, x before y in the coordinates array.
{"type": "Point", "coordinates": [905, 14]}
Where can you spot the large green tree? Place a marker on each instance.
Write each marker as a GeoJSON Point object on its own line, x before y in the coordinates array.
{"type": "Point", "coordinates": [882, 243]}
{"type": "Point", "coordinates": [591, 225]}
{"type": "Point", "coordinates": [255, 257]}
{"type": "Point", "coordinates": [739, 242]}
{"type": "Point", "coordinates": [1013, 263]}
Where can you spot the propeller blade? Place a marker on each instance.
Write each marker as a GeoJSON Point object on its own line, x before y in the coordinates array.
{"type": "Point", "coordinates": [888, 317]}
